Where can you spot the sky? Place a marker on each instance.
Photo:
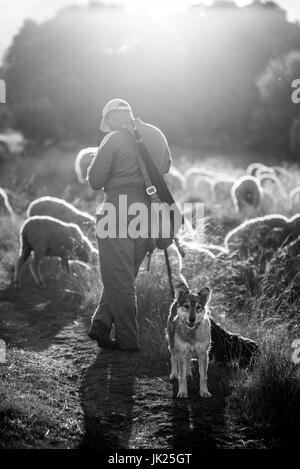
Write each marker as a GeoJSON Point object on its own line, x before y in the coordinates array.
{"type": "Point", "coordinates": [14, 12]}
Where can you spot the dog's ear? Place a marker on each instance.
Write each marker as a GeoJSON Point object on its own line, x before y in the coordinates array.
{"type": "Point", "coordinates": [205, 295]}
{"type": "Point", "coordinates": [180, 289]}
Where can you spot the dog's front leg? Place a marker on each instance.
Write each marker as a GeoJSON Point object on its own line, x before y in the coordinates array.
{"type": "Point", "coordinates": [182, 391]}
{"type": "Point", "coordinates": [203, 364]}
{"type": "Point", "coordinates": [174, 366]}
{"type": "Point", "coordinates": [188, 365]}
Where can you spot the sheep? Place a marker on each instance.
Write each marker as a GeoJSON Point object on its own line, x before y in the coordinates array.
{"type": "Point", "coordinates": [253, 168]}
{"type": "Point", "coordinates": [271, 221]}
{"type": "Point", "coordinates": [267, 203]}
{"type": "Point", "coordinates": [5, 206]}
{"type": "Point", "coordinates": [273, 180]}
{"type": "Point", "coordinates": [60, 209]}
{"type": "Point", "coordinates": [294, 199]}
{"type": "Point", "coordinates": [50, 237]}
{"type": "Point", "coordinates": [83, 161]}
{"type": "Point", "coordinates": [247, 194]}
{"type": "Point", "coordinates": [258, 237]}
{"type": "Point", "coordinates": [282, 173]}
{"type": "Point", "coordinates": [294, 228]}
{"type": "Point", "coordinates": [51, 271]}
{"type": "Point", "coordinates": [203, 189]}
{"type": "Point", "coordinates": [222, 188]}
{"type": "Point", "coordinates": [194, 172]}
{"type": "Point", "coordinates": [264, 170]}
{"type": "Point", "coordinates": [273, 189]}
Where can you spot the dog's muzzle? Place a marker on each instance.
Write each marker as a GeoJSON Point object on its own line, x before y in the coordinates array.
{"type": "Point", "coordinates": [191, 325]}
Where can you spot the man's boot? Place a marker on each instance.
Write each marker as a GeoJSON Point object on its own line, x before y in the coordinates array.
{"type": "Point", "coordinates": [100, 332]}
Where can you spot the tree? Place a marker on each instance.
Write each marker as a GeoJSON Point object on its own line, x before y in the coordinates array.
{"type": "Point", "coordinates": [194, 75]}
{"type": "Point", "coordinates": [275, 111]}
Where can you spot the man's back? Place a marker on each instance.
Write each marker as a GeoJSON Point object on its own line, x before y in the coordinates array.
{"type": "Point", "coordinates": [116, 162]}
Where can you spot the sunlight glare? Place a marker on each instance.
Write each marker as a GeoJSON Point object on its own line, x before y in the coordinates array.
{"type": "Point", "coordinates": [157, 10]}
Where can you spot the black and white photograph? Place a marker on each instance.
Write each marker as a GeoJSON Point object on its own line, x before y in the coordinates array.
{"type": "Point", "coordinates": [149, 227]}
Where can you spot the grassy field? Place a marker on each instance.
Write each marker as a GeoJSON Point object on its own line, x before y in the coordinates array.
{"type": "Point", "coordinates": [57, 391]}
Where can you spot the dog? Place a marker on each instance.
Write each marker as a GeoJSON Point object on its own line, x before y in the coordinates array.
{"type": "Point", "coordinates": [188, 334]}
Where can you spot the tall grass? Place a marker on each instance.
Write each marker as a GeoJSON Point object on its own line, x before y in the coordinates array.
{"type": "Point", "coordinates": [247, 298]}
{"type": "Point", "coordinates": [267, 397]}
{"type": "Point", "coordinates": [9, 248]}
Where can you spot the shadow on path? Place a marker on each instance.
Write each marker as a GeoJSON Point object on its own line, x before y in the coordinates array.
{"type": "Point", "coordinates": [30, 317]}
{"type": "Point", "coordinates": [107, 399]}
{"type": "Point", "coordinates": [199, 423]}
{"type": "Point", "coordinates": [127, 405]}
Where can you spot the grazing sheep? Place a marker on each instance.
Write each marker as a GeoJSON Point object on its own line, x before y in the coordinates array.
{"type": "Point", "coordinates": [273, 189]}
{"type": "Point", "coordinates": [47, 236]}
{"type": "Point", "coordinates": [270, 221]}
{"type": "Point", "coordinates": [264, 170]}
{"type": "Point", "coordinates": [247, 194]}
{"type": "Point", "coordinates": [267, 203]}
{"type": "Point", "coordinates": [203, 189]}
{"type": "Point", "coordinates": [222, 187]}
{"type": "Point", "coordinates": [273, 180]}
{"type": "Point", "coordinates": [51, 272]}
{"type": "Point", "coordinates": [60, 209]}
{"type": "Point", "coordinates": [192, 173]}
{"type": "Point", "coordinates": [294, 227]}
{"type": "Point", "coordinates": [294, 199]}
{"type": "Point", "coordinates": [259, 237]}
{"type": "Point", "coordinates": [5, 207]}
{"type": "Point", "coordinates": [83, 161]}
{"type": "Point", "coordinates": [254, 167]}
{"type": "Point", "coordinates": [282, 173]}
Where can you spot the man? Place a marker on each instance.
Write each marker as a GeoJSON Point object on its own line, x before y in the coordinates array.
{"type": "Point", "coordinates": [116, 170]}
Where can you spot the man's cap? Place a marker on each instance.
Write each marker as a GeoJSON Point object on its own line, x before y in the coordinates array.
{"type": "Point", "coordinates": [113, 105]}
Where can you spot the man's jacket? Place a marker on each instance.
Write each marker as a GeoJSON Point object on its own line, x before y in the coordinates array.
{"type": "Point", "coordinates": [116, 165]}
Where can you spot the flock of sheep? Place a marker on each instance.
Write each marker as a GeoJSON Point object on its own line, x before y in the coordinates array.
{"type": "Point", "coordinates": [56, 228]}
{"type": "Point", "coordinates": [255, 193]}
{"type": "Point", "coordinates": [251, 194]}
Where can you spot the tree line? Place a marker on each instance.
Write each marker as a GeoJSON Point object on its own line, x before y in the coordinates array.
{"type": "Point", "coordinates": [214, 76]}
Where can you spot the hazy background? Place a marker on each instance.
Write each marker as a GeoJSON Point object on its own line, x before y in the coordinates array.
{"type": "Point", "coordinates": [13, 12]}
{"type": "Point", "coordinates": [213, 76]}
{"type": "Point", "coordinates": [217, 80]}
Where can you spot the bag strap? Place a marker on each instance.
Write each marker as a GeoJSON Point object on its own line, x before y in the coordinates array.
{"type": "Point", "coordinates": [136, 138]}
{"type": "Point", "coordinates": [151, 190]}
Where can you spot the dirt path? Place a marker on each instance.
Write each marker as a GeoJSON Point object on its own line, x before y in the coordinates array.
{"type": "Point", "coordinates": [121, 402]}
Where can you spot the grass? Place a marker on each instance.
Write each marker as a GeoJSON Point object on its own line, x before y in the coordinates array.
{"type": "Point", "coordinates": [39, 407]}
{"type": "Point", "coordinates": [8, 248]}
{"type": "Point", "coordinates": [266, 399]}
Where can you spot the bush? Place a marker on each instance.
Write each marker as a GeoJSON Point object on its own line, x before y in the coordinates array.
{"type": "Point", "coordinates": [279, 296]}
{"type": "Point", "coordinates": [267, 398]}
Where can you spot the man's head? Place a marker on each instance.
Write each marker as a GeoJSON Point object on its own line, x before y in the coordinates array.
{"type": "Point", "coordinates": [115, 114]}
